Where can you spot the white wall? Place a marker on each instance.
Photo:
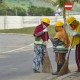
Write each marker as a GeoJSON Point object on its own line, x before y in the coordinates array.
{"type": "Point", "coordinates": [2, 22]}
{"type": "Point", "coordinates": [11, 22]}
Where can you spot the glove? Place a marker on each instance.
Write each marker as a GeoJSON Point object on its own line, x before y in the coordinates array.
{"type": "Point", "coordinates": [45, 30]}
{"type": "Point", "coordinates": [74, 33]}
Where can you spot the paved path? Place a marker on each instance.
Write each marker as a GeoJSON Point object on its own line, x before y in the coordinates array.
{"type": "Point", "coordinates": [16, 51]}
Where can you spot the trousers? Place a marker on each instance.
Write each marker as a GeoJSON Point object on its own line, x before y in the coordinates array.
{"type": "Point", "coordinates": [39, 54]}
{"type": "Point", "coordinates": [60, 57]}
{"type": "Point", "coordinates": [77, 56]}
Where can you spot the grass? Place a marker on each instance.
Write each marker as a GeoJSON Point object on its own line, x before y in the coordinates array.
{"type": "Point", "coordinates": [29, 30]}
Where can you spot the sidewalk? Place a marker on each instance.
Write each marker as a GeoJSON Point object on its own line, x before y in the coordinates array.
{"type": "Point", "coordinates": [36, 76]}
{"type": "Point", "coordinates": [70, 76]}
{"type": "Point", "coordinates": [48, 76]}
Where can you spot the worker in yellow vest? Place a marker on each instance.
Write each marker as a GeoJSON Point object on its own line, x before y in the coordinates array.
{"type": "Point", "coordinates": [75, 37]}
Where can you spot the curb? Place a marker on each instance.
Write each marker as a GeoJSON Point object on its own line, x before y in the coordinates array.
{"type": "Point", "coordinates": [57, 77]}
{"type": "Point", "coordinates": [64, 76]}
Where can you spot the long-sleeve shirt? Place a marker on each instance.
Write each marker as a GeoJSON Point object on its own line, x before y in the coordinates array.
{"type": "Point", "coordinates": [40, 36]}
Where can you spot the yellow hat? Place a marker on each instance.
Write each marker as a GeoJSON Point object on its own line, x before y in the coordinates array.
{"type": "Point", "coordinates": [46, 20]}
{"type": "Point", "coordinates": [70, 19]}
{"type": "Point", "coordinates": [59, 23]}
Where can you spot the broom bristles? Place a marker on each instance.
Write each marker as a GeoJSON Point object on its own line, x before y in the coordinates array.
{"type": "Point", "coordinates": [47, 67]}
{"type": "Point", "coordinates": [64, 70]}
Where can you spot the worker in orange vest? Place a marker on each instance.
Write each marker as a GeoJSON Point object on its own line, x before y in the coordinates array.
{"type": "Point", "coordinates": [60, 45]}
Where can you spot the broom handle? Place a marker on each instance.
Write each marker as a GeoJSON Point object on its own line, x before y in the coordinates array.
{"type": "Point", "coordinates": [46, 43]}
{"type": "Point", "coordinates": [46, 40]}
{"type": "Point", "coordinates": [70, 48]}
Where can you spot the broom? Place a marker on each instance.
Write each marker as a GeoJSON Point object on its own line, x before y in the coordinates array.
{"type": "Point", "coordinates": [46, 67]}
{"type": "Point", "coordinates": [64, 69]}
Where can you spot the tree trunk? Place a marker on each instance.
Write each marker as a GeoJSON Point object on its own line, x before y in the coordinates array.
{"type": "Point", "coordinates": [72, 1]}
{"type": "Point", "coordinates": [64, 17]}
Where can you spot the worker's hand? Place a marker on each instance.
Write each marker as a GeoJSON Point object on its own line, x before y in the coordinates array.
{"type": "Point", "coordinates": [51, 38]}
{"type": "Point", "coordinates": [74, 33]}
{"type": "Point", "coordinates": [45, 30]}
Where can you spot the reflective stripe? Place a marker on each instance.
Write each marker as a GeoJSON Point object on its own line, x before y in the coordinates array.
{"type": "Point", "coordinates": [39, 42]}
{"type": "Point", "coordinates": [61, 48]}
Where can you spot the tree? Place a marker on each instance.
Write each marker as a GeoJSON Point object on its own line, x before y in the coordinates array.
{"type": "Point", "coordinates": [39, 11]}
{"type": "Point", "coordinates": [1, 1]}
{"type": "Point", "coordinates": [3, 7]}
{"type": "Point", "coordinates": [60, 4]}
{"type": "Point", "coordinates": [19, 11]}
{"type": "Point", "coordinates": [72, 1]}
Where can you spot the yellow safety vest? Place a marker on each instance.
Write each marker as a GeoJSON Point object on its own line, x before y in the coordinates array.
{"type": "Point", "coordinates": [76, 40]}
{"type": "Point", "coordinates": [39, 42]}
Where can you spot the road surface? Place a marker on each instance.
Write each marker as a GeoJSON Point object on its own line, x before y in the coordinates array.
{"type": "Point", "coordinates": [16, 56]}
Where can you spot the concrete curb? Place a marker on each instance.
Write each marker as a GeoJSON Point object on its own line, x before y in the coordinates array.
{"type": "Point", "coordinates": [56, 77]}
{"type": "Point", "coordinates": [64, 76]}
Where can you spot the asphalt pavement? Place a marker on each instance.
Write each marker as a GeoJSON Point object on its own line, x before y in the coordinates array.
{"type": "Point", "coordinates": [16, 58]}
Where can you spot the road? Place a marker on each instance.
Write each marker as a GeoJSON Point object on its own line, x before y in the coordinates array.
{"type": "Point", "coordinates": [16, 56]}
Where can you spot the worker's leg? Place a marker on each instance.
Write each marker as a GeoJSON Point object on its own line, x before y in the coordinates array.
{"type": "Point", "coordinates": [43, 52]}
{"type": "Point", "coordinates": [58, 64]}
{"type": "Point", "coordinates": [77, 54]}
{"type": "Point", "coordinates": [61, 60]}
{"type": "Point", "coordinates": [37, 58]}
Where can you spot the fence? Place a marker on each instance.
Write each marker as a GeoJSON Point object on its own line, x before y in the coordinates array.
{"type": "Point", "coordinates": [12, 22]}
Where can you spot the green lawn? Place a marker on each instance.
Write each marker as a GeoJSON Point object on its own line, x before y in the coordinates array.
{"type": "Point", "coordinates": [29, 30]}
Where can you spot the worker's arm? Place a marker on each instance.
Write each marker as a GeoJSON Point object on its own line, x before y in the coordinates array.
{"type": "Point", "coordinates": [40, 33]}
{"type": "Point", "coordinates": [76, 34]}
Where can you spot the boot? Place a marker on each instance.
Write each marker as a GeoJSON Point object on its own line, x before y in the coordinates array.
{"type": "Point", "coordinates": [35, 71]}
{"type": "Point", "coordinates": [60, 66]}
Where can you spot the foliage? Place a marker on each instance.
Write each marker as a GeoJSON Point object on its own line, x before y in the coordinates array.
{"type": "Point", "coordinates": [28, 30]}
{"type": "Point", "coordinates": [39, 11]}
{"type": "Point", "coordinates": [3, 6]}
{"type": "Point", "coordinates": [1, 1]}
{"type": "Point", "coordinates": [5, 10]}
{"type": "Point", "coordinates": [19, 8]}
{"type": "Point", "coordinates": [21, 30]}
{"type": "Point", "coordinates": [8, 7]}
{"type": "Point", "coordinates": [20, 11]}
{"type": "Point", "coordinates": [60, 4]}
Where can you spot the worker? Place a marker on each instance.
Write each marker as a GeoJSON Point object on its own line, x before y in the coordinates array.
{"type": "Point", "coordinates": [60, 45]}
{"type": "Point", "coordinates": [75, 38]}
{"type": "Point", "coordinates": [41, 37]}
